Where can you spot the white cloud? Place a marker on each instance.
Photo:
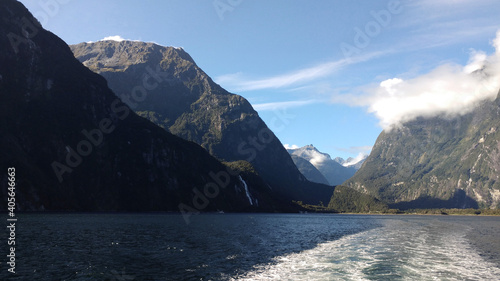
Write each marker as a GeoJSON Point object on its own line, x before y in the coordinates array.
{"type": "Point", "coordinates": [389, 84]}
{"type": "Point", "coordinates": [288, 146]}
{"type": "Point", "coordinates": [282, 105]}
{"type": "Point", "coordinates": [314, 157]}
{"type": "Point", "coordinates": [448, 90]}
{"type": "Point", "coordinates": [476, 61]}
{"type": "Point", "coordinates": [496, 43]}
{"type": "Point", "coordinates": [116, 38]}
{"type": "Point", "coordinates": [317, 159]}
{"type": "Point", "coordinates": [238, 83]}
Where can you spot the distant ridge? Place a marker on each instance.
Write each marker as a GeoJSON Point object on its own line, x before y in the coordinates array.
{"type": "Point", "coordinates": [332, 171]}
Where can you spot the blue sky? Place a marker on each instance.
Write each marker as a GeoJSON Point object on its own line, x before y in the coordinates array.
{"type": "Point", "coordinates": [329, 73]}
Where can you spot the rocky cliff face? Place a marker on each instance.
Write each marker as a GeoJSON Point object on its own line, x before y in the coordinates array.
{"type": "Point", "coordinates": [76, 146]}
{"type": "Point", "coordinates": [437, 162]}
{"type": "Point", "coordinates": [164, 85]}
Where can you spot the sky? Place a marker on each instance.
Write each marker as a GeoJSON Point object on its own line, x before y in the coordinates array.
{"type": "Point", "coordinates": [330, 73]}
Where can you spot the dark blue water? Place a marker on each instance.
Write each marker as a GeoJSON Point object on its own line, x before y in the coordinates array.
{"type": "Point", "coordinates": [253, 247]}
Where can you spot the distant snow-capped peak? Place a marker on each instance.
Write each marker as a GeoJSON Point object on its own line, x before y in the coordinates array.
{"type": "Point", "coordinates": [310, 153]}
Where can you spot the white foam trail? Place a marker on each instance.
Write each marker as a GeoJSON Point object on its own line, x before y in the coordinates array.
{"type": "Point", "coordinates": [401, 250]}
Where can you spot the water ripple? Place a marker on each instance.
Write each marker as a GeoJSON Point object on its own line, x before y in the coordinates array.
{"type": "Point", "coordinates": [404, 249]}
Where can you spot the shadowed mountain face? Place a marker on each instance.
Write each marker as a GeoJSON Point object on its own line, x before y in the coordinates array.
{"type": "Point", "coordinates": [164, 85]}
{"type": "Point", "coordinates": [308, 170]}
{"type": "Point", "coordinates": [437, 162]}
{"type": "Point", "coordinates": [75, 146]}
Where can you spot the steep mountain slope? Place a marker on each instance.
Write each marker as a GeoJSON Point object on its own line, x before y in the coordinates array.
{"type": "Point", "coordinates": [75, 146]}
{"type": "Point", "coordinates": [437, 162]}
{"type": "Point", "coordinates": [166, 86]}
{"type": "Point", "coordinates": [334, 172]}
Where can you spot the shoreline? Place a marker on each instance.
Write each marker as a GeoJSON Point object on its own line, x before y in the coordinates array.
{"type": "Point", "coordinates": [425, 212]}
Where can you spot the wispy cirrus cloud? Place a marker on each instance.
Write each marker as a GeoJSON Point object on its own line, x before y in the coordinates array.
{"type": "Point", "coordinates": [283, 104]}
{"type": "Point", "coordinates": [357, 149]}
{"type": "Point", "coordinates": [441, 29]}
{"type": "Point", "coordinates": [446, 33]}
{"type": "Point", "coordinates": [447, 22]}
{"type": "Point", "coordinates": [239, 83]}
{"type": "Point", "coordinates": [453, 4]}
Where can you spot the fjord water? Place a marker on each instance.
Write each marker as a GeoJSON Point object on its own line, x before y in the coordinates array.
{"type": "Point", "coordinates": [255, 247]}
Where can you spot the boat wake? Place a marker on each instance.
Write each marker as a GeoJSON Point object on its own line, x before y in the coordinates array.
{"type": "Point", "coordinates": [400, 250]}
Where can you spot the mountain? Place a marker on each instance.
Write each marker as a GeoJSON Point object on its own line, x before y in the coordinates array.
{"type": "Point", "coordinates": [75, 146]}
{"type": "Point", "coordinates": [164, 85]}
{"type": "Point", "coordinates": [334, 172]}
{"type": "Point", "coordinates": [308, 170]}
{"type": "Point", "coordinates": [356, 163]}
{"type": "Point", "coordinates": [439, 162]}
{"type": "Point", "coordinates": [341, 160]}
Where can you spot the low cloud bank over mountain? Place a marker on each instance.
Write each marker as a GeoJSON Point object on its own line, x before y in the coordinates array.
{"type": "Point", "coordinates": [448, 90]}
